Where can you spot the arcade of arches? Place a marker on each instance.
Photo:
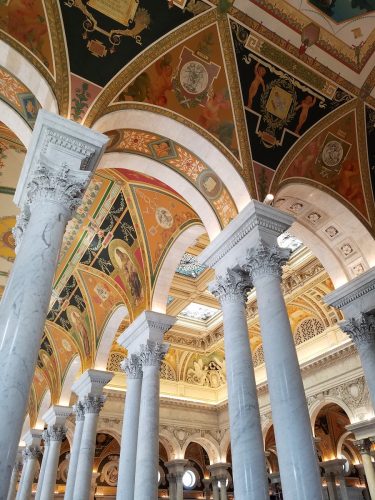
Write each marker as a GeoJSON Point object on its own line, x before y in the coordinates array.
{"type": "Point", "coordinates": [187, 252]}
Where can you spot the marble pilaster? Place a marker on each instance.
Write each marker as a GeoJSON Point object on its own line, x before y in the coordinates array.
{"type": "Point", "coordinates": [89, 389]}
{"type": "Point", "coordinates": [356, 299]}
{"type": "Point", "coordinates": [176, 469]}
{"type": "Point", "coordinates": [57, 168]}
{"type": "Point", "coordinates": [144, 338]}
{"type": "Point", "coordinates": [55, 419]}
{"type": "Point", "coordinates": [133, 368]}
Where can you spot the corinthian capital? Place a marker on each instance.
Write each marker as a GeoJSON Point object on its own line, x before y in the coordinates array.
{"type": "Point", "coordinates": [93, 404]}
{"type": "Point", "coordinates": [46, 437]}
{"type": "Point", "coordinates": [231, 287]}
{"type": "Point", "coordinates": [152, 353]}
{"type": "Point", "coordinates": [30, 453]}
{"type": "Point", "coordinates": [57, 184]}
{"type": "Point", "coordinates": [266, 260]}
{"type": "Point", "coordinates": [132, 367]}
{"type": "Point", "coordinates": [56, 432]}
{"type": "Point", "coordinates": [79, 411]}
{"type": "Point", "coordinates": [363, 445]}
{"type": "Point", "coordinates": [360, 329]}
{"type": "Point", "coordinates": [21, 223]}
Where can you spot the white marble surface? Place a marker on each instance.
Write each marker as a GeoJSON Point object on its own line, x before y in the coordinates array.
{"type": "Point", "coordinates": [73, 461]}
{"type": "Point", "coordinates": [296, 452]}
{"type": "Point", "coordinates": [129, 438]}
{"type": "Point", "coordinates": [27, 478]}
{"type": "Point", "coordinates": [13, 483]}
{"type": "Point", "coordinates": [249, 471]}
{"type": "Point", "coordinates": [49, 479]}
{"type": "Point", "coordinates": [42, 468]}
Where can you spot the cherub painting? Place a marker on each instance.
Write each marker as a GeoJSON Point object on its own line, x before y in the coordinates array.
{"type": "Point", "coordinates": [306, 104]}
{"type": "Point", "coordinates": [259, 74]}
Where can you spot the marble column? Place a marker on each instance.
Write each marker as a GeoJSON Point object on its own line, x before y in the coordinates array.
{"type": "Point", "coordinates": [172, 490]}
{"type": "Point", "coordinates": [78, 409]}
{"type": "Point", "coordinates": [249, 470]}
{"type": "Point", "coordinates": [144, 337]}
{"type": "Point", "coordinates": [89, 389]}
{"type": "Point", "coordinates": [30, 455]}
{"type": "Point", "coordinates": [128, 454]}
{"type": "Point", "coordinates": [30, 458]}
{"type": "Point", "coordinates": [364, 446]}
{"type": "Point", "coordinates": [297, 458]}
{"type": "Point", "coordinates": [335, 469]}
{"type": "Point", "coordinates": [57, 168]}
{"type": "Point", "coordinates": [15, 475]}
{"type": "Point", "coordinates": [55, 419]}
{"type": "Point", "coordinates": [45, 437]}
{"type": "Point", "coordinates": [146, 475]}
{"type": "Point", "coordinates": [176, 468]}
{"type": "Point", "coordinates": [216, 489]}
{"type": "Point", "coordinates": [219, 474]}
{"type": "Point", "coordinates": [356, 299]}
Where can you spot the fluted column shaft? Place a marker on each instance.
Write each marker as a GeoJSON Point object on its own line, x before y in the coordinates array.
{"type": "Point", "coordinates": [30, 454]}
{"type": "Point", "coordinates": [146, 476]}
{"type": "Point", "coordinates": [361, 330]}
{"type": "Point", "coordinates": [249, 469]}
{"type": "Point", "coordinates": [74, 454]}
{"type": "Point", "coordinates": [129, 437]}
{"type": "Point", "coordinates": [92, 406]}
{"type": "Point", "coordinates": [43, 466]}
{"type": "Point", "coordinates": [364, 446]}
{"type": "Point", "coordinates": [56, 433]}
{"type": "Point", "coordinates": [297, 458]}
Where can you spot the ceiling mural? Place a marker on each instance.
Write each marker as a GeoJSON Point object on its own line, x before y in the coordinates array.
{"type": "Point", "coordinates": [83, 94]}
{"type": "Point", "coordinates": [331, 159]}
{"type": "Point", "coordinates": [191, 80]}
{"type": "Point", "coordinates": [18, 96]}
{"type": "Point", "coordinates": [108, 35]}
{"type": "Point", "coordinates": [370, 132]}
{"type": "Point", "coordinates": [49, 365]}
{"type": "Point", "coordinates": [279, 106]}
{"type": "Point", "coordinates": [26, 21]}
{"type": "Point", "coordinates": [341, 10]}
{"type": "Point", "coordinates": [180, 159]}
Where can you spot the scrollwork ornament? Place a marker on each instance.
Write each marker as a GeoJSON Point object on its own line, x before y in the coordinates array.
{"type": "Point", "coordinates": [30, 453]}
{"type": "Point", "coordinates": [152, 353]}
{"type": "Point", "coordinates": [93, 404]}
{"type": "Point", "coordinates": [56, 432]}
{"type": "Point", "coordinates": [360, 329]}
{"type": "Point", "coordinates": [266, 260]}
{"type": "Point", "coordinates": [58, 185]}
{"type": "Point", "coordinates": [232, 287]}
{"type": "Point", "coordinates": [132, 367]}
{"type": "Point", "coordinates": [79, 411]}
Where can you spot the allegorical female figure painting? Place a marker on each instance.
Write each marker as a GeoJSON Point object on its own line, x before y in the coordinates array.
{"type": "Point", "coordinates": [80, 328]}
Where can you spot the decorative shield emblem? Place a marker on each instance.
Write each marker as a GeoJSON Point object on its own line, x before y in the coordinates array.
{"type": "Point", "coordinates": [194, 77]}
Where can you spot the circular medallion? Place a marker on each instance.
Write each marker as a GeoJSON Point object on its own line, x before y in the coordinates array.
{"type": "Point", "coordinates": [164, 217]}
{"type": "Point", "coordinates": [194, 77]}
{"type": "Point", "coordinates": [332, 153]}
{"type": "Point", "coordinates": [210, 184]}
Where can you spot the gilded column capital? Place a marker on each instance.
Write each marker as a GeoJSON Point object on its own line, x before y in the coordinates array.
{"type": "Point", "coordinates": [56, 432]}
{"type": "Point", "coordinates": [132, 367]}
{"type": "Point", "coordinates": [231, 287]}
{"type": "Point", "coordinates": [363, 445]}
{"type": "Point", "coordinates": [57, 184]}
{"type": "Point", "coordinates": [360, 329]}
{"type": "Point", "coordinates": [152, 353]}
{"type": "Point", "coordinates": [266, 260]}
{"type": "Point", "coordinates": [93, 404]}
{"type": "Point", "coordinates": [30, 453]}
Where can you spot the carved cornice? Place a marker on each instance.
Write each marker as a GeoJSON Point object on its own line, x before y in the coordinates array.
{"type": "Point", "coordinates": [353, 290]}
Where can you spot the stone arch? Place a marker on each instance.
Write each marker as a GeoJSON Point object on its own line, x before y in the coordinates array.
{"type": "Point", "coordinates": [15, 123]}
{"type": "Point", "coordinates": [171, 445]}
{"type": "Point", "coordinates": [169, 266]}
{"type": "Point", "coordinates": [185, 136]}
{"type": "Point", "coordinates": [318, 405]}
{"type": "Point", "coordinates": [102, 429]}
{"type": "Point", "coordinates": [210, 445]}
{"type": "Point", "coordinates": [224, 446]}
{"type": "Point", "coordinates": [109, 332]}
{"type": "Point", "coordinates": [70, 376]}
{"type": "Point", "coordinates": [333, 233]}
{"type": "Point", "coordinates": [27, 73]}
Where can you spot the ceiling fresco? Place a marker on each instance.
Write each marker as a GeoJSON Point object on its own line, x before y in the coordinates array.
{"type": "Point", "coordinates": [341, 10]}
{"type": "Point", "coordinates": [191, 80]}
{"type": "Point", "coordinates": [108, 35]}
{"type": "Point", "coordinates": [370, 136]}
